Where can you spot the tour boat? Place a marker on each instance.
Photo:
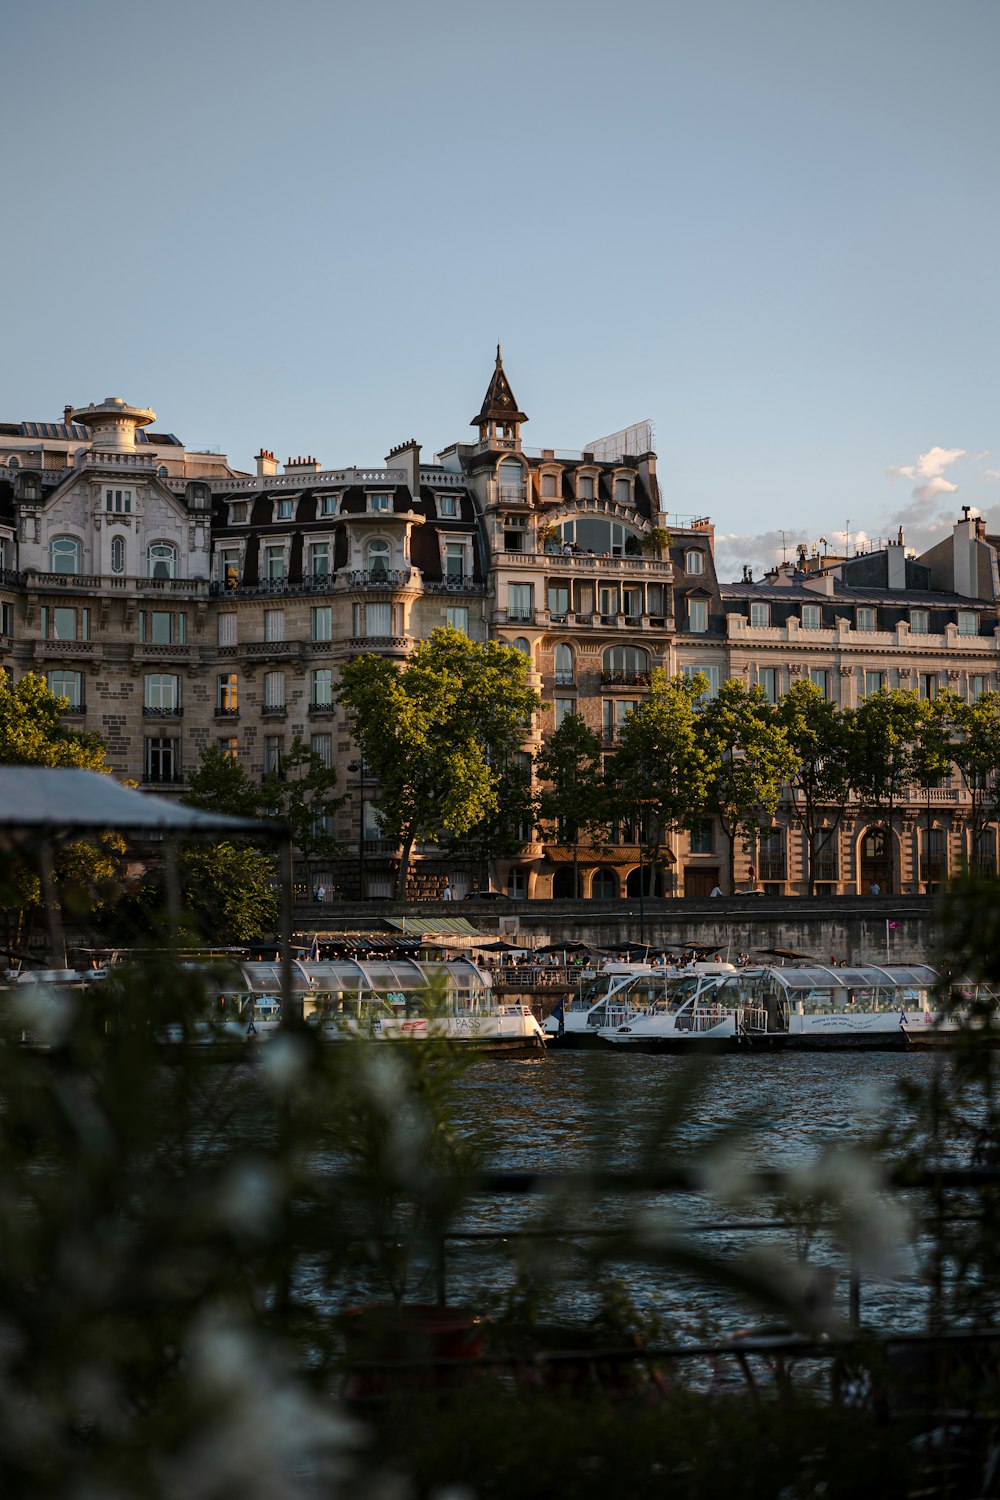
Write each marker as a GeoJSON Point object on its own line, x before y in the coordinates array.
{"type": "Point", "coordinates": [609, 998]}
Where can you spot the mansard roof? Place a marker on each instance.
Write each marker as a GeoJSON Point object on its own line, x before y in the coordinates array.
{"type": "Point", "coordinates": [499, 403]}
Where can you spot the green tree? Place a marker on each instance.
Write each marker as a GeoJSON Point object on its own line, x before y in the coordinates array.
{"type": "Point", "coordinates": [657, 777]}
{"type": "Point", "coordinates": [572, 804]}
{"type": "Point", "coordinates": [975, 749]}
{"type": "Point", "coordinates": [504, 831]}
{"type": "Point", "coordinates": [32, 732]}
{"type": "Point", "coordinates": [436, 731]}
{"type": "Point", "coordinates": [818, 733]}
{"type": "Point", "coordinates": [749, 760]}
{"type": "Point", "coordinates": [228, 892]}
{"type": "Point", "coordinates": [883, 754]}
{"type": "Point", "coordinates": [221, 784]}
{"type": "Point", "coordinates": [302, 794]}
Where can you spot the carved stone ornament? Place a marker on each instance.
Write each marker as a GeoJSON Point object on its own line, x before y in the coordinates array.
{"type": "Point", "coordinates": [796, 669]}
{"type": "Point", "coordinates": [952, 675]}
{"type": "Point", "coordinates": [847, 671]}
{"type": "Point", "coordinates": [906, 672]}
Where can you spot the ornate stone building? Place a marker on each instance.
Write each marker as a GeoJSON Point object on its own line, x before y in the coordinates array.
{"type": "Point", "coordinates": [175, 601]}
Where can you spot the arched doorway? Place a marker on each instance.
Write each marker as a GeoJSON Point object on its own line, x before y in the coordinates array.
{"type": "Point", "coordinates": [875, 860]}
{"type": "Point", "coordinates": [644, 882]}
{"type": "Point", "coordinates": [562, 884]}
{"type": "Point", "coordinates": [605, 886]}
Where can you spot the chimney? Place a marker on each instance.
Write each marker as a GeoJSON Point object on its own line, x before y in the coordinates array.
{"type": "Point", "coordinates": [267, 464]}
{"type": "Point", "coordinates": [68, 415]}
{"type": "Point", "coordinates": [406, 456]}
{"type": "Point", "coordinates": [307, 465]}
{"type": "Point", "coordinates": [895, 561]}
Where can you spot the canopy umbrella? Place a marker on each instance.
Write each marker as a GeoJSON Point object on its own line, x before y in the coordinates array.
{"type": "Point", "coordinates": [786, 953]}
{"type": "Point", "coordinates": [572, 946]}
{"type": "Point", "coordinates": [500, 947]}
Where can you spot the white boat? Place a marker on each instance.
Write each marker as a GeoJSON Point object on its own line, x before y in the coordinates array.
{"type": "Point", "coordinates": [610, 997]}
{"type": "Point", "coordinates": [807, 1007]}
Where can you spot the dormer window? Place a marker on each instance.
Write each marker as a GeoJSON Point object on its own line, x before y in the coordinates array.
{"type": "Point", "coordinates": [239, 517]}
{"type": "Point", "coordinates": [623, 491]}
{"type": "Point", "coordinates": [285, 510]}
{"type": "Point", "coordinates": [694, 562]}
{"type": "Point", "coordinates": [161, 558]}
{"type": "Point", "coordinates": [511, 481]}
{"type": "Point", "coordinates": [327, 505]}
{"type": "Point", "coordinates": [697, 615]}
{"type": "Point", "coordinates": [585, 487]}
{"type": "Point", "coordinates": [760, 613]}
{"type": "Point", "coordinates": [378, 502]}
{"type": "Point", "coordinates": [447, 506]}
{"type": "Point", "coordinates": [866, 618]}
{"type": "Point", "coordinates": [968, 622]}
{"type": "Point", "coordinates": [549, 489]}
{"type": "Point", "coordinates": [919, 622]}
{"type": "Point", "coordinates": [812, 616]}
{"type": "Point", "coordinates": [64, 554]}
{"type": "Point", "coordinates": [118, 502]}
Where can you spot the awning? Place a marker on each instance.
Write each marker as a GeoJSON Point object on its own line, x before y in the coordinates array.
{"type": "Point", "coordinates": [616, 855]}
{"type": "Point", "coordinates": [434, 926]}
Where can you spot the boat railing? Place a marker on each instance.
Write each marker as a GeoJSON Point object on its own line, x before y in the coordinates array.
{"type": "Point", "coordinates": [752, 1018]}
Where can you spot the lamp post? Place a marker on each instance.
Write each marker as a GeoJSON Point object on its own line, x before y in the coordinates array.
{"type": "Point", "coordinates": [359, 768]}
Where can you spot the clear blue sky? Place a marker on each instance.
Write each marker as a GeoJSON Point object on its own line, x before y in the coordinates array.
{"type": "Point", "coordinates": [771, 226]}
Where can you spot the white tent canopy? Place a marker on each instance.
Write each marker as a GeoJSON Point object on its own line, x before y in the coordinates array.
{"type": "Point", "coordinates": [53, 800]}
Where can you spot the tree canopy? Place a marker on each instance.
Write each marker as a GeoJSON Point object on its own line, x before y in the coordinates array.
{"type": "Point", "coordinates": [32, 732]}
{"type": "Point", "coordinates": [573, 801]}
{"type": "Point", "coordinates": [436, 731]}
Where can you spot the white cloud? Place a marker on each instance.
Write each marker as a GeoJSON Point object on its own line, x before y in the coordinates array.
{"type": "Point", "coordinates": [991, 474]}
{"type": "Point", "coordinates": [930, 465]}
{"type": "Point", "coordinates": [936, 486]}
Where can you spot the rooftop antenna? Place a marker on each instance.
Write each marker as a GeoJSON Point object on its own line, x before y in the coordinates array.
{"type": "Point", "coordinates": [784, 547]}
{"type": "Point", "coordinates": [847, 537]}
{"type": "Point", "coordinates": [826, 545]}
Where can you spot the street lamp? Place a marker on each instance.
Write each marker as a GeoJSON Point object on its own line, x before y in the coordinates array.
{"type": "Point", "coordinates": [358, 767]}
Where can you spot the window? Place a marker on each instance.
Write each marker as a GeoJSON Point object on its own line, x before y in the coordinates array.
{"type": "Point", "coordinates": [239, 515]}
{"type": "Point", "coordinates": [626, 664]}
{"type": "Point", "coordinates": [118, 502]}
{"type": "Point", "coordinates": [322, 624]}
{"type": "Point", "coordinates": [378, 621]}
{"type": "Point", "coordinates": [977, 686]}
{"type": "Point", "coordinates": [697, 615]}
{"type": "Point", "coordinates": [812, 616]}
{"type": "Point", "coordinates": [64, 554]}
{"type": "Point", "coordinates": [227, 697]}
{"type": "Point", "coordinates": [162, 627]}
{"type": "Point", "coordinates": [68, 685]}
{"type": "Point", "coordinates": [563, 708]}
{"type": "Point", "coordinates": [520, 644]}
{"type": "Point", "coordinates": [607, 601]}
{"type": "Point", "coordinates": [322, 688]}
{"type": "Point", "coordinates": [873, 683]}
{"type": "Point", "coordinates": [514, 539]}
{"type": "Point", "coordinates": [274, 746]}
{"type": "Point", "coordinates": [920, 622]}
{"type": "Point", "coordinates": [694, 562]}
{"type": "Point", "coordinates": [935, 852]}
{"type": "Point", "coordinates": [327, 505]}
{"type": "Point", "coordinates": [274, 624]}
{"type": "Point", "coordinates": [585, 487]}
{"type": "Point", "coordinates": [62, 624]}
{"type": "Point", "coordinates": [378, 502]}
{"type": "Point", "coordinates": [558, 600]}
{"type": "Point", "coordinates": [818, 678]}
{"type": "Point", "coordinates": [701, 839]}
{"type": "Point", "coordinates": [447, 506]}
{"type": "Point", "coordinates": [866, 618]}
{"type": "Point", "coordinates": [227, 629]}
{"type": "Point", "coordinates": [771, 854]}
{"type": "Point", "coordinates": [229, 566]}
{"type": "Point", "coordinates": [458, 618]}
{"type": "Point", "coordinates": [623, 491]}
{"type": "Point", "coordinates": [162, 760]}
{"type": "Point", "coordinates": [519, 601]}
{"type": "Point", "coordinates": [454, 561]}
{"type": "Point", "coordinates": [760, 614]}
{"type": "Point", "coordinates": [274, 690]}
{"type": "Point", "coordinates": [161, 560]}
{"type": "Point", "coordinates": [595, 535]}
{"type": "Point", "coordinates": [968, 622]}
{"type": "Point", "coordinates": [549, 487]}
{"type": "Point", "coordinates": [511, 480]}
{"type": "Point", "coordinates": [927, 685]}
{"type": "Point", "coordinates": [285, 510]}
{"type": "Point", "coordinates": [319, 559]}
{"type": "Point", "coordinates": [322, 746]}
{"type": "Point", "coordinates": [377, 557]}
{"type": "Point", "coordinates": [767, 678]}
{"type": "Point", "coordinates": [274, 564]}
{"type": "Point", "coordinates": [711, 672]}
{"type": "Point", "coordinates": [161, 693]}
{"type": "Point", "coordinates": [985, 853]}
{"type": "Point", "coordinates": [117, 554]}
{"type": "Point", "coordinates": [613, 712]}
{"type": "Point", "coordinates": [825, 862]}
{"type": "Point", "coordinates": [632, 604]}
{"type": "Point", "coordinates": [564, 664]}
{"type": "Point", "coordinates": [230, 748]}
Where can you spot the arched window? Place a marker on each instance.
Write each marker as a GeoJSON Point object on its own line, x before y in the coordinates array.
{"type": "Point", "coordinates": [162, 472]}
{"type": "Point", "coordinates": [629, 664]}
{"type": "Point", "coordinates": [511, 480]}
{"type": "Point", "coordinates": [161, 560]}
{"type": "Point", "coordinates": [64, 554]}
{"type": "Point", "coordinates": [600, 536]}
{"type": "Point", "coordinates": [520, 644]}
{"type": "Point", "coordinates": [378, 558]}
{"type": "Point", "coordinates": [117, 554]}
{"type": "Point", "coordinates": [694, 562]}
{"type": "Point", "coordinates": [13, 462]}
{"type": "Point", "coordinates": [605, 886]}
{"type": "Point", "coordinates": [564, 664]}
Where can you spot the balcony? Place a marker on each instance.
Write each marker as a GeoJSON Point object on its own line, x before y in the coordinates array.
{"type": "Point", "coordinates": [379, 643]}
{"type": "Point", "coordinates": [274, 711]}
{"type": "Point", "coordinates": [227, 713]}
{"type": "Point", "coordinates": [461, 583]}
{"type": "Point", "coordinates": [318, 709]}
{"type": "Point", "coordinates": [278, 650]}
{"type": "Point", "coordinates": [159, 651]}
{"type": "Point", "coordinates": [163, 778]}
{"type": "Point", "coordinates": [151, 712]}
{"type": "Point", "coordinates": [310, 583]}
{"type": "Point", "coordinates": [378, 578]}
{"type": "Point", "coordinates": [624, 679]}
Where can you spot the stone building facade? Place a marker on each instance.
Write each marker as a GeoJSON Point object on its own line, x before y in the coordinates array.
{"type": "Point", "coordinates": [176, 602]}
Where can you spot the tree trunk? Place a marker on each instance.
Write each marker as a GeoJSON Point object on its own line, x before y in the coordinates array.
{"type": "Point", "coordinates": [404, 867]}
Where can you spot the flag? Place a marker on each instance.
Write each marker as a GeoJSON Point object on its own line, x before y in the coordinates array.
{"type": "Point", "coordinates": [891, 926]}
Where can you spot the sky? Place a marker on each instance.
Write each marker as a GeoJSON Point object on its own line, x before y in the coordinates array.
{"type": "Point", "coordinates": [771, 227]}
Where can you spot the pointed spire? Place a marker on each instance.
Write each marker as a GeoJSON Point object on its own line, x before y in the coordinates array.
{"type": "Point", "coordinates": [499, 403]}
